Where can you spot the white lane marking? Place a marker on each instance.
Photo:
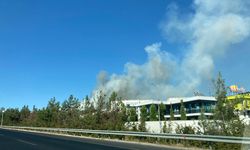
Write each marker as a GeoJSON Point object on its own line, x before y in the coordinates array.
{"type": "Point", "coordinates": [26, 142]}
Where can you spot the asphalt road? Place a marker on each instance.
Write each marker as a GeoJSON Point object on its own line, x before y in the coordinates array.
{"type": "Point", "coordinates": [20, 140]}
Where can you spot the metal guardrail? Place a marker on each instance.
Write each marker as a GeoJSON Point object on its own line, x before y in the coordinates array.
{"type": "Point", "coordinates": [208, 138]}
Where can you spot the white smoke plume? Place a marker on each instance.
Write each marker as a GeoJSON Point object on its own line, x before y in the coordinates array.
{"type": "Point", "coordinates": [209, 32]}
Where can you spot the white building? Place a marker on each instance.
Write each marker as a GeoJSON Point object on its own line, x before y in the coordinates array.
{"type": "Point", "coordinates": [192, 106]}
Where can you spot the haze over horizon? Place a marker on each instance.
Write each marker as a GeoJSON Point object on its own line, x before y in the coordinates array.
{"type": "Point", "coordinates": [142, 49]}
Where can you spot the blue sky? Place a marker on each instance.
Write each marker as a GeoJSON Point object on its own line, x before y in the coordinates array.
{"type": "Point", "coordinates": [57, 48]}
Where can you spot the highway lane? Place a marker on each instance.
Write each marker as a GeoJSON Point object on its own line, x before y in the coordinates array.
{"type": "Point", "coordinates": [20, 140]}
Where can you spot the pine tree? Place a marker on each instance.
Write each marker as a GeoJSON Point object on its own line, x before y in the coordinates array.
{"type": "Point", "coordinates": [24, 115]}
{"type": "Point", "coordinates": [202, 115]}
{"type": "Point", "coordinates": [86, 104]}
{"type": "Point", "coordinates": [121, 117]}
{"type": "Point", "coordinates": [52, 110]}
{"type": "Point", "coordinates": [33, 116]}
{"type": "Point", "coordinates": [225, 120]}
{"type": "Point", "coordinates": [171, 113]}
{"type": "Point", "coordinates": [182, 111]}
{"type": "Point", "coordinates": [132, 115]}
{"type": "Point", "coordinates": [112, 101]}
{"type": "Point", "coordinates": [70, 112]}
{"type": "Point", "coordinates": [99, 109]}
{"type": "Point", "coordinates": [88, 121]}
{"type": "Point", "coordinates": [162, 111]}
{"type": "Point", "coordinates": [143, 118]}
{"type": "Point", "coordinates": [164, 127]}
{"type": "Point", "coordinates": [153, 113]}
{"type": "Point", "coordinates": [203, 122]}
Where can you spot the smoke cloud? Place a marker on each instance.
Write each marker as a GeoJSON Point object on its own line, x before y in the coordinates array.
{"type": "Point", "coordinates": [209, 32]}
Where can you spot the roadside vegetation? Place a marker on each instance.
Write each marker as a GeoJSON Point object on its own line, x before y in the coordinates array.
{"type": "Point", "coordinates": [109, 113]}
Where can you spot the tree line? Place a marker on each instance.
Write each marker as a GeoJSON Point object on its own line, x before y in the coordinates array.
{"type": "Point", "coordinates": [71, 114]}
{"type": "Point", "coordinates": [102, 114]}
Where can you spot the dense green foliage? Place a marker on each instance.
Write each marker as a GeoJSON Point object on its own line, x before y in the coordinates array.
{"type": "Point", "coordinates": [171, 113]}
{"type": "Point", "coordinates": [162, 111]}
{"type": "Point", "coordinates": [70, 114]}
{"type": "Point", "coordinates": [183, 111]}
{"type": "Point", "coordinates": [153, 113]}
{"type": "Point", "coordinates": [132, 115]}
{"type": "Point", "coordinates": [143, 118]}
{"type": "Point", "coordinates": [225, 120]}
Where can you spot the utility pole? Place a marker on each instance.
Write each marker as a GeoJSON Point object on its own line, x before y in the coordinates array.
{"type": "Point", "coordinates": [2, 118]}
